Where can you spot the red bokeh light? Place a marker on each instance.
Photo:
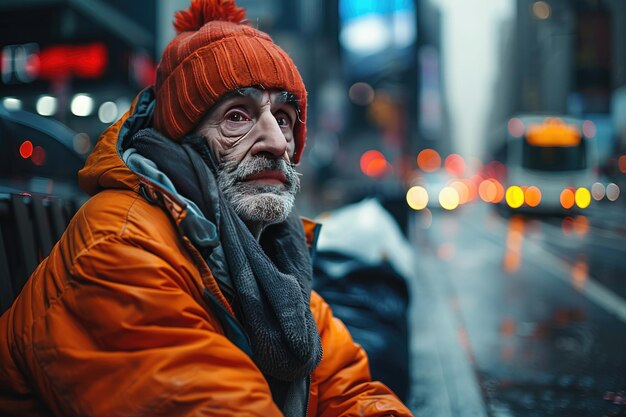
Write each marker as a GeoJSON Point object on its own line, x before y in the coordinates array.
{"type": "Point", "coordinates": [516, 127]}
{"type": "Point", "coordinates": [455, 165]}
{"type": "Point", "coordinates": [373, 163]}
{"type": "Point", "coordinates": [26, 149]}
{"type": "Point", "coordinates": [39, 156]}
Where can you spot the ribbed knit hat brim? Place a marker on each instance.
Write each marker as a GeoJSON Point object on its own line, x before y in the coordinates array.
{"type": "Point", "coordinates": [199, 67]}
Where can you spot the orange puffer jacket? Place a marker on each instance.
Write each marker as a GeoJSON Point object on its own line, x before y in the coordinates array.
{"type": "Point", "coordinates": [114, 322]}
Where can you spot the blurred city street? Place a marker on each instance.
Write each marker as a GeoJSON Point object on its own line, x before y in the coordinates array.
{"type": "Point", "coordinates": [519, 316]}
{"type": "Point", "coordinates": [492, 132]}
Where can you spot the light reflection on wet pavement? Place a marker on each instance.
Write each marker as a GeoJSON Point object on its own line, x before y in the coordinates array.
{"type": "Point", "coordinates": [520, 301]}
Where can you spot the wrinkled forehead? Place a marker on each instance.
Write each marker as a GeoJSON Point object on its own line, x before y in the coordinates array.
{"type": "Point", "coordinates": [258, 93]}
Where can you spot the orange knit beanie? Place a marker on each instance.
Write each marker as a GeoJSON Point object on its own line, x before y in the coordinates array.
{"type": "Point", "coordinates": [215, 53]}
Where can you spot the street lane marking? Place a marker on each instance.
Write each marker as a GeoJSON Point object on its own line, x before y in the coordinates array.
{"type": "Point", "coordinates": [592, 289]}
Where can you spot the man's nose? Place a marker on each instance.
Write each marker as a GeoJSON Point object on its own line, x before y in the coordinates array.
{"type": "Point", "coordinates": [269, 138]}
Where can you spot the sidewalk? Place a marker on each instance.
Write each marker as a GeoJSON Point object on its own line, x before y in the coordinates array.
{"type": "Point", "coordinates": [443, 380]}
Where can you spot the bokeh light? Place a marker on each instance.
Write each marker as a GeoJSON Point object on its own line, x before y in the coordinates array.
{"type": "Point", "coordinates": [26, 149]}
{"type": "Point", "coordinates": [462, 189]}
{"type": "Point", "coordinates": [516, 127]}
{"type": "Point", "coordinates": [428, 160]}
{"type": "Point", "coordinates": [472, 186]}
{"type": "Point", "coordinates": [449, 198]}
{"type": "Point", "coordinates": [46, 105]}
{"type": "Point", "coordinates": [487, 190]}
{"type": "Point", "coordinates": [582, 197]}
{"type": "Point", "coordinates": [361, 93]}
{"type": "Point", "coordinates": [514, 196]}
{"type": "Point", "coordinates": [494, 169]}
{"type": "Point", "coordinates": [621, 163]}
{"type": "Point", "coordinates": [532, 196]}
{"type": "Point", "coordinates": [82, 105]}
{"type": "Point", "coordinates": [567, 198]}
{"type": "Point", "coordinates": [417, 197]}
{"type": "Point", "coordinates": [39, 156]}
{"type": "Point", "coordinates": [81, 143]}
{"type": "Point", "coordinates": [107, 112]}
{"type": "Point", "coordinates": [12, 103]}
{"type": "Point", "coordinates": [541, 10]}
{"type": "Point", "coordinates": [455, 165]}
{"type": "Point", "coordinates": [373, 163]}
{"type": "Point", "coordinates": [612, 191]}
{"type": "Point", "coordinates": [499, 191]}
{"type": "Point", "coordinates": [598, 191]}
{"type": "Point", "coordinates": [589, 129]}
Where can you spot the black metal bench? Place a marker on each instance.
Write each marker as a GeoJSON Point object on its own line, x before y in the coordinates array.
{"type": "Point", "coordinates": [30, 225]}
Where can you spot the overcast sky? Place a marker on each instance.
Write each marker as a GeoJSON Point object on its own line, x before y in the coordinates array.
{"type": "Point", "coordinates": [470, 35]}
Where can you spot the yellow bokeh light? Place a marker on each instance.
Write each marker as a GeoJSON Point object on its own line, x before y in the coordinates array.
{"type": "Point", "coordinates": [514, 196]}
{"type": "Point", "coordinates": [449, 198]}
{"type": "Point", "coordinates": [417, 197]}
{"type": "Point", "coordinates": [583, 197]}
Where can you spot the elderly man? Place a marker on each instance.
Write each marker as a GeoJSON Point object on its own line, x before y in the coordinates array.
{"type": "Point", "coordinates": [183, 286]}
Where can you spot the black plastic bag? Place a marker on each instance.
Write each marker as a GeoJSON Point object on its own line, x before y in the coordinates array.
{"type": "Point", "coordinates": [372, 300]}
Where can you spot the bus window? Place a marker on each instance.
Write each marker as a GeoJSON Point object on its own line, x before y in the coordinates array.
{"type": "Point", "coordinates": [554, 158]}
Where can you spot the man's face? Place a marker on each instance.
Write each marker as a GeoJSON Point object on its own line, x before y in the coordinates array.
{"type": "Point", "coordinates": [251, 135]}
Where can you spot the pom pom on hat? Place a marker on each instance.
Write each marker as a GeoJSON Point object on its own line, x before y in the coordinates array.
{"type": "Point", "coordinates": [201, 12]}
{"type": "Point", "coordinates": [216, 52]}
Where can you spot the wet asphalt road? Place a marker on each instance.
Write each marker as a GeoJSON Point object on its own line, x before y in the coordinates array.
{"type": "Point", "coordinates": [519, 316]}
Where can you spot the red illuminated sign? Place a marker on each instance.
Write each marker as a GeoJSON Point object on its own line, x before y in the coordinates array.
{"type": "Point", "coordinates": [84, 61]}
{"type": "Point", "coordinates": [25, 63]}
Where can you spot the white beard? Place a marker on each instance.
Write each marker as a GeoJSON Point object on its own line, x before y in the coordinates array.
{"type": "Point", "coordinates": [259, 205]}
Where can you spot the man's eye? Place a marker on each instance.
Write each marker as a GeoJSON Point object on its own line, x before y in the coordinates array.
{"type": "Point", "coordinates": [283, 119]}
{"type": "Point", "coordinates": [236, 117]}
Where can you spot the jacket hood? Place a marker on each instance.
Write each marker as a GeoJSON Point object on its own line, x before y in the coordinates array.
{"type": "Point", "coordinates": [105, 167]}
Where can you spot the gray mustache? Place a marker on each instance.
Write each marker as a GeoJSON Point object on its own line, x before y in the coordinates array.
{"type": "Point", "coordinates": [260, 164]}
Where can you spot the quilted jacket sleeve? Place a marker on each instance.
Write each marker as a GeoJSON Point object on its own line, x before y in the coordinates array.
{"type": "Point", "coordinates": [343, 379]}
{"type": "Point", "coordinates": [126, 338]}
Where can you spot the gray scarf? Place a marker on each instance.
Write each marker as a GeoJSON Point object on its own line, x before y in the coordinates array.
{"type": "Point", "coordinates": [270, 280]}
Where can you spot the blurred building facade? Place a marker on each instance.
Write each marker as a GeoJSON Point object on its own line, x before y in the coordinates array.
{"type": "Point", "coordinates": [564, 57]}
{"type": "Point", "coordinates": [75, 61]}
{"type": "Point", "coordinates": [69, 68]}
{"type": "Point", "coordinates": [372, 70]}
